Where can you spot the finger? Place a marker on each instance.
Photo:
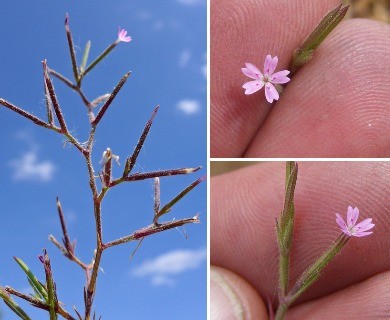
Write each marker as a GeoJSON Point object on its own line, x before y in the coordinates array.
{"type": "Point", "coordinates": [338, 105]}
{"type": "Point", "coordinates": [366, 300]}
{"type": "Point", "coordinates": [232, 298]}
{"type": "Point", "coordinates": [245, 203]}
{"type": "Point", "coordinates": [247, 31]}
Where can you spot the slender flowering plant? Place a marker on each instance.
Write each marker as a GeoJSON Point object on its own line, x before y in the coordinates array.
{"type": "Point", "coordinates": [100, 181]}
{"type": "Point", "coordinates": [284, 230]}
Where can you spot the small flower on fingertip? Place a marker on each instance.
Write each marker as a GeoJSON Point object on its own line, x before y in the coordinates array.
{"type": "Point", "coordinates": [266, 79]}
{"type": "Point", "coordinates": [350, 228]}
{"type": "Point", "coordinates": [122, 35]}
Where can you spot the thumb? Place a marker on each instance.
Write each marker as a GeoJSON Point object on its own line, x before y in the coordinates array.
{"type": "Point", "coordinates": [232, 298]}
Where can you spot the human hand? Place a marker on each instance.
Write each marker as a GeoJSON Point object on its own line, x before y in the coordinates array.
{"type": "Point", "coordinates": [244, 205]}
{"type": "Point", "coordinates": [337, 105]}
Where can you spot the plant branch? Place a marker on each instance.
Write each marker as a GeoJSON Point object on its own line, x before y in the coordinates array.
{"type": "Point", "coordinates": [151, 229]}
{"type": "Point", "coordinates": [90, 291]}
{"type": "Point", "coordinates": [171, 203]}
{"type": "Point", "coordinates": [53, 98]}
{"type": "Point", "coordinates": [34, 301]}
{"type": "Point", "coordinates": [38, 303]}
{"type": "Point", "coordinates": [49, 104]}
{"type": "Point", "coordinates": [71, 85]}
{"type": "Point", "coordinates": [153, 174]}
{"type": "Point", "coordinates": [62, 78]}
{"type": "Point", "coordinates": [157, 200]}
{"type": "Point", "coordinates": [28, 115]}
{"type": "Point", "coordinates": [68, 245]}
{"type": "Point", "coordinates": [104, 108]}
{"type": "Point", "coordinates": [68, 248]}
{"type": "Point", "coordinates": [130, 162]}
{"type": "Point", "coordinates": [71, 49]}
{"type": "Point", "coordinates": [50, 285]}
{"type": "Point", "coordinates": [98, 59]}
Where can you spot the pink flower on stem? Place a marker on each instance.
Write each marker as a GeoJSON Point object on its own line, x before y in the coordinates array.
{"type": "Point", "coordinates": [122, 35]}
{"type": "Point", "coordinates": [350, 228]}
{"type": "Point", "coordinates": [266, 79]}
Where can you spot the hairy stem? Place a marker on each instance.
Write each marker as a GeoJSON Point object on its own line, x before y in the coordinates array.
{"type": "Point", "coordinates": [28, 115]}
{"type": "Point", "coordinates": [151, 229]}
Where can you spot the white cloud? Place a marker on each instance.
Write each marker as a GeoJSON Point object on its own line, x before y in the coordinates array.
{"type": "Point", "coordinates": [184, 58]}
{"type": "Point", "coordinates": [191, 2]}
{"type": "Point", "coordinates": [28, 167]}
{"type": "Point", "coordinates": [164, 267]}
{"type": "Point", "coordinates": [162, 280]}
{"type": "Point", "coordinates": [189, 106]}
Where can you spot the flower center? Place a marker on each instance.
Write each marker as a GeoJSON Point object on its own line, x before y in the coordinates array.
{"type": "Point", "coordinates": [266, 78]}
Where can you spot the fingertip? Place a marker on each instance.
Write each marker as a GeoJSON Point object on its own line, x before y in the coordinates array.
{"type": "Point", "coordinates": [337, 105]}
{"type": "Point", "coordinates": [366, 300]}
{"type": "Point", "coordinates": [233, 298]}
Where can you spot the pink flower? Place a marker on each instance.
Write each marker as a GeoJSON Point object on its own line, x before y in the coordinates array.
{"type": "Point", "coordinates": [351, 228]}
{"type": "Point", "coordinates": [122, 35]}
{"type": "Point", "coordinates": [268, 78]}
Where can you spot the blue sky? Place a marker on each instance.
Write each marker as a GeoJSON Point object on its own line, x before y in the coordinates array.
{"type": "Point", "coordinates": [166, 279]}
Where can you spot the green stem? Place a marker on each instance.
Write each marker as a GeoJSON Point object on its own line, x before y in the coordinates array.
{"type": "Point", "coordinates": [284, 273]}
{"type": "Point", "coordinates": [310, 275]}
{"type": "Point", "coordinates": [98, 59]}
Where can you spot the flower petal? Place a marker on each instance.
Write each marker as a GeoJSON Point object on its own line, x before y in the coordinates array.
{"type": "Point", "coordinates": [270, 64]}
{"type": "Point", "coordinates": [270, 93]}
{"type": "Point", "coordinates": [253, 86]}
{"type": "Point", "coordinates": [362, 234]}
{"type": "Point", "coordinates": [251, 71]}
{"type": "Point", "coordinates": [364, 225]}
{"type": "Point", "coordinates": [355, 215]}
{"type": "Point", "coordinates": [280, 77]}
{"type": "Point", "coordinates": [340, 221]}
{"type": "Point", "coordinates": [351, 215]}
{"type": "Point", "coordinates": [122, 35]}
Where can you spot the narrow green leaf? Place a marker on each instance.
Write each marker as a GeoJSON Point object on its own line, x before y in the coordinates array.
{"type": "Point", "coordinates": [289, 166]}
{"type": "Point", "coordinates": [325, 27]}
{"type": "Point", "coordinates": [171, 203]}
{"type": "Point", "coordinates": [85, 56]}
{"type": "Point", "coordinates": [13, 305]}
{"type": "Point", "coordinates": [312, 273]}
{"type": "Point", "coordinates": [98, 59]}
{"type": "Point", "coordinates": [35, 282]}
{"type": "Point", "coordinates": [305, 52]}
{"type": "Point", "coordinates": [36, 291]}
{"type": "Point", "coordinates": [17, 310]}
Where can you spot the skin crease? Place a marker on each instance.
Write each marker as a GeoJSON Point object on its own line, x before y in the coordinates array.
{"type": "Point", "coordinates": [245, 203]}
{"type": "Point", "coordinates": [338, 105]}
